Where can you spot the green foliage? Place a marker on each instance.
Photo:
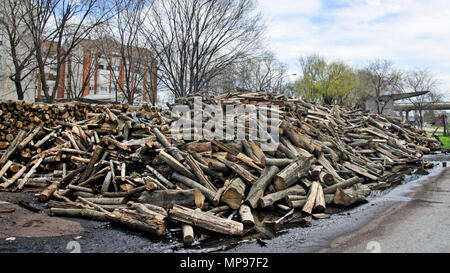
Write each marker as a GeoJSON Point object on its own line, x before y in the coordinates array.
{"type": "Point", "coordinates": [330, 83]}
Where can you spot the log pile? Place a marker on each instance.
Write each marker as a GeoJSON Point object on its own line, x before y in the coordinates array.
{"type": "Point", "coordinates": [121, 164]}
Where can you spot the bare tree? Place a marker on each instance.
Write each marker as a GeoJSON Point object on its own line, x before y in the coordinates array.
{"type": "Point", "coordinates": [384, 80]}
{"type": "Point", "coordinates": [20, 48]}
{"type": "Point", "coordinates": [259, 73]}
{"type": "Point", "coordinates": [195, 40]}
{"type": "Point", "coordinates": [421, 80]}
{"type": "Point", "coordinates": [122, 41]}
{"type": "Point", "coordinates": [78, 75]}
{"type": "Point", "coordinates": [56, 28]}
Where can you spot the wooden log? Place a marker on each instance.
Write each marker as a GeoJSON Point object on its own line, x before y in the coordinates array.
{"type": "Point", "coordinates": [246, 215]}
{"type": "Point", "coordinates": [45, 139]}
{"type": "Point", "coordinates": [5, 168]}
{"type": "Point", "coordinates": [279, 162]}
{"type": "Point", "coordinates": [151, 223]}
{"type": "Point", "coordinates": [106, 201]}
{"type": "Point", "coordinates": [163, 140]}
{"type": "Point", "coordinates": [90, 167]}
{"type": "Point", "coordinates": [199, 173]}
{"type": "Point", "coordinates": [344, 198]}
{"type": "Point", "coordinates": [234, 193]}
{"type": "Point", "coordinates": [160, 177]}
{"type": "Point", "coordinates": [78, 188]}
{"type": "Point", "coordinates": [216, 165]}
{"type": "Point", "coordinates": [175, 164]}
{"type": "Point", "coordinates": [12, 147]}
{"type": "Point", "coordinates": [326, 178]}
{"type": "Point", "coordinates": [29, 138]}
{"type": "Point", "coordinates": [80, 213]}
{"type": "Point", "coordinates": [295, 137]}
{"type": "Point", "coordinates": [206, 220]}
{"type": "Point", "coordinates": [311, 199]}
{"type": "Point", "coordinates": [49, 191]}
{"type": "Point", "coordinates": [13, 179]}
{"type": "Point", "coordinates": [320, 203]}
{"type": "Point", "coordinates": [326, 164]}
{"type": "Point", "coordinates": [259, 154]}
{"type": "Point", "coordinates": [292, 173]}
{"type": "Point", "coordinates": [168, 198]}
{"type": "Point", "coordinates": [239, 170]}
{"type": "Point", "coordinates": [248, 150]}
{"type": "Point", "coordinates": [188, 233]}
{"type": "Point", "coordinates": [144, 207]}
{"type": "Point", "coordinates": [359, 170]}
{"type": "Point", "coordinates": [315, 172]}
{"type": "Point", "coordinates": [198, 147]}
{"type": "Point", "coordinates": [257, 189]}
{"type": "Point", "coordinates": [29, 174]}
{"type": "Point", "coordinates": [106, 182]}
{"type": "Point", "coordinates": [270, 199]}
{"type": "Point", "coordinates": [195, 185]}
{"type": "Point", "coordinates": [219, 192]}
{"type": "Point", "coordinates": [345, 184]}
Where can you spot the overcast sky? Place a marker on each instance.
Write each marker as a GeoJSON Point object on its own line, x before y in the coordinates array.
{"type": "Point", "coordinates": [413, 34]}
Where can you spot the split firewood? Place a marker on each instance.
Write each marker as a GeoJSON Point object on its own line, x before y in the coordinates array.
{"type": "Point", "coordinates": [234, 193]}
{"type": "Point", "coordinates": [311, 199]}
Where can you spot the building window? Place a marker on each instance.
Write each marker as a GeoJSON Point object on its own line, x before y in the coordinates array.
{"type": "Point", "coordinates": [101, 67]}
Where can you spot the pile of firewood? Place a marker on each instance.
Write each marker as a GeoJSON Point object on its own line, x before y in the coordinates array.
{"type": "Point", "coordinates": [121, 164]}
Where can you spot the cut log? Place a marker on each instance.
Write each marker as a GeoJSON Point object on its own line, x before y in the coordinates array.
{"type": "Point", "coordinates": [5, 168]}
{"type": "Point", "coordinates": [193, 184]}
{"type": "Point", "coordinates": [90, 167]}
{"type": "Point", "coordinates": [257, 189]}
{"type": "Point", "coordinates": [279, 162]}
{"type": "Point", "coordinates": [12, 147]}
{"type": "Point", "coordinates": [202, 178]}
{"type": "Point", "coordinates": [161, 177]}
{"type": "Point", "coordinates": [292, 173]}
{"type": "Point", "coordinates": [29, 138]}
{"type": "Point", "coordinates": [151, 223]}
{"type": "Point", "coordinates": [144, 207]}
{"type": "Point", "coordinates": [168, 198]}
{"type": "Point", "coordinates": [347, 198]}
{"type": "Point", "coordinates": [320, 203]}
{"type": "Point", "coordinates": [259, 154]}
{"type": "Point", "coordinates": [360, 170]}
{"type": "Point", "coordinates": [246, 215]}
{"type": "Point", "coordinates": [49, 191]}
{"type": "Point", "coordinates": [188, 233]}
{"type": "Point", "coordinates": [347, 183]}
{"type": "Point", "coordinates": [206, 220]}
{"type": "Point", "coordinates": [81, 213]}
{"type": "Point", "coordinates": [311, 200]}
{"type": "Point", "coordinates": [239, 170]}
{"type": "Point", "coordinates": [218, 195]}
{"type": "Point", "coordinates": [270, 199]}
{"type": "Point", "coordinates": [175, 164]}
{"type": "Point", "coordinates": [234, 193]}
{"type": "Point", "coordinates": [29, 174]}
{"type": "Point", "coordinates": [15, 177]}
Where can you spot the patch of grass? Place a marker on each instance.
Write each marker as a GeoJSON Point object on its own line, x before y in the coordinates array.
{"type": "Point", "coordinates": [445, 140]}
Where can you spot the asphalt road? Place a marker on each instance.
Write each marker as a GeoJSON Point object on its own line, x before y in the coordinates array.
{"type": "Point", "coordinates": [422, 224]}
